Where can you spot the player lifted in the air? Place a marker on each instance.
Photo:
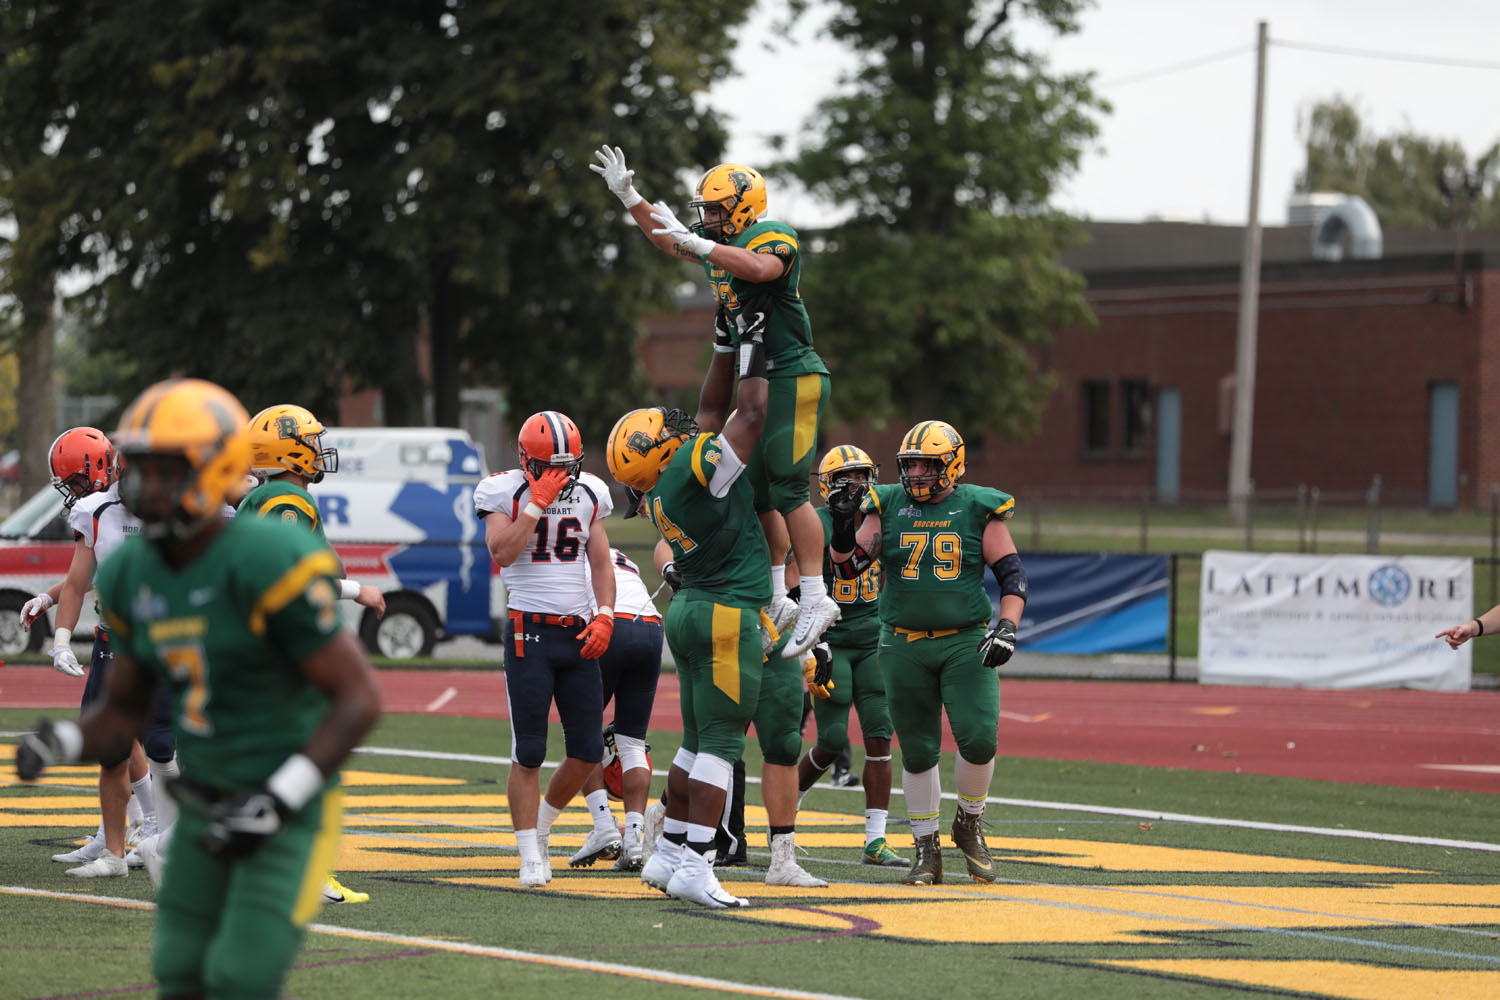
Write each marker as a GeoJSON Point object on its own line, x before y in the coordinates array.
{"type": "Point", "coordinates": [754, 266]}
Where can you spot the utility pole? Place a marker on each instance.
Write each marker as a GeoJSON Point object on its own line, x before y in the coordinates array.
{"type": "Point", "coordinates": [1244, 355]}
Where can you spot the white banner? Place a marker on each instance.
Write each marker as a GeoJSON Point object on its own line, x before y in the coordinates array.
{"type": "Point", "coordinates": [1333, 621]}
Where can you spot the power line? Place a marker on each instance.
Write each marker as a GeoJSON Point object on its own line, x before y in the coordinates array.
{"type": "Point", "coordinates": [1409, 57]}
{"type": "Point", "coordinates": [1152, 74]}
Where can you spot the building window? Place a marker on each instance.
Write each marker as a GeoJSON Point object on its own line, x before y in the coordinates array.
{"type": "Point", "coordinates": [1095, 418]}
{"type": "Point", "coordinates": [1135, 397]}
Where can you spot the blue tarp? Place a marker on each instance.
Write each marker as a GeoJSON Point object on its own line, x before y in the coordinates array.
{"type": "Point", "coordinates": [1093, 603]}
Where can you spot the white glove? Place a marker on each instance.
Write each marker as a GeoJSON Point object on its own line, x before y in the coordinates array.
{"type": "Point", "coordinates": [682, 235]}
{"type": "Point", "coordinates": [64, 661]}
{"type": "Point", "coordinates": [34, 609]}
{"type": "Point", "coordinates": [616, 177]}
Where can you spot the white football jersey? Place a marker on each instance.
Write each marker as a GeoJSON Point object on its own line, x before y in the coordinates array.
{"type": "Point", "coordinates": [631, 595]}
{"type": "Point", "coordinates": [102, 521]}
{"type": "Point", "coordinates": [551, 574]}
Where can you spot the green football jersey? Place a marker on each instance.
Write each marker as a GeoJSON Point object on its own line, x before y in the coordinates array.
{"type": "Point", "coordinates": [788, 338]}
{"type": "Point", "coordinates": [718, 544]}
{"type": "Point", "coordinates": [277, 498]}
{"type": "Point", "coordinates": [932, 555]}
{"type": "Point", "coordinates": [858, 626]}
{"type": "Point", "coordinates": [226, 633]}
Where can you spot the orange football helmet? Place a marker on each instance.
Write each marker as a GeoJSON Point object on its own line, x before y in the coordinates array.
{"type": "Point", "coordinates": [550, 439]}
{"type": "Point", "coordinates": [83, 462]}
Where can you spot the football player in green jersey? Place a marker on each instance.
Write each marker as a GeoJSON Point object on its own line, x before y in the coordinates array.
{"type": "Point", "coordinates": [857, 679]}
{"type": "Point", "coordinates": [933, 537]}
{"type": "Point", "coordinates": [754, 266]}
{"type": "Point", "coordinates": [287, 453]}
{"type": "Point", "coordinates": [704, 509]}
{"type": "Point", "coordinates": [269, 695]}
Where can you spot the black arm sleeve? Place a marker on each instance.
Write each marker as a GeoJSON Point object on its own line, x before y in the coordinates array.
{"type": "Point", "coordinates": [1011, 576]}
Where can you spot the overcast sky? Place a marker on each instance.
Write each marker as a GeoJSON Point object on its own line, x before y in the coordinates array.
{"type": "Point", "coordinates": [1178, 145]}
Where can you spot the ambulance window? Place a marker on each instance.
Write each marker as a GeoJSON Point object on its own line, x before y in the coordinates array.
{"type": "Point", "coordinates": [33, 515]}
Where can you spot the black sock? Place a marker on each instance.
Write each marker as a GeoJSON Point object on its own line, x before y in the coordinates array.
{"type": "Point", "coordinates": [775, 830]}
{"type": "Point", "coordinates": [703, 848]}
{"type": "Point", "coordinates": [676, 838]}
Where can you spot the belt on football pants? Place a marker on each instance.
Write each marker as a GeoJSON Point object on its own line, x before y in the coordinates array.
{"type": "Point", "coordinates": [654, 619]}
{"type": "Point", "coordinates": [520, 619]}
{"type": "Point", "coordinates": [913, 634]}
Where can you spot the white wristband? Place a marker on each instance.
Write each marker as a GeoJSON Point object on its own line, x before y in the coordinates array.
{"type": "Point", "coordinates": [296, 781]}
{"type": "Point", "coordinates": [723, 349]}
{"type": "Point", "coordinates": [534, 510]}
{"type": "Point", "coordinates": [70, 739]}
{"type": "Point", "coordinates": [631, 197]}
{"type": "Point", "coordinates": [605, 609]}
{"type": "Point", "coordinates": [348, 589]}
{"type": "Point", "coordinates": [61, 637]}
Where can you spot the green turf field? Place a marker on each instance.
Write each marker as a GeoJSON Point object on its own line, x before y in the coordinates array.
{"type": "Point", "coordinates": [1106, 901]}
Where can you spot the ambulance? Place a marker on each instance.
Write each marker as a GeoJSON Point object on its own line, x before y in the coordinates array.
{"type": "Point", "coordinates": [399, 513]}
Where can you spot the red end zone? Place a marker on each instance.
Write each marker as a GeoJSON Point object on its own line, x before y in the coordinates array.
{"type": "Point", "coordinates": [1414, 738]}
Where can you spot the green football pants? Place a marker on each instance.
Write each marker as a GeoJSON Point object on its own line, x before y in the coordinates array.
{"type": "Point", "coordinates": [781, 464]}
{"type": "Point", "coordinates": [857, 681]}
{"type": "Point", "coordinates": [924, 676]}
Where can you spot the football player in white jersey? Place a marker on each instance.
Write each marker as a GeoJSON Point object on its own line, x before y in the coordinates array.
{"type": "Point", "coordinates": [544, 527]}
{"type": "Point", "coordinates": [629, 671]}
{"type": "Point", "coordinates": [85, 468]}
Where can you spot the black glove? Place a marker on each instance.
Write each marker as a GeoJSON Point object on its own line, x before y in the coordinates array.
{"type": "Point", "coordinates": [999, 644]}
{"type": "Point", "coordinates": [844, 501]}
{"type": "Point", "coordinates": [243, 824]}
{"type": "Point", "coordinates": [723, 335]}
{"type": "Point", "coordinates": [824, 671]}
{"type": "Point", "coordinates": [673, 576]}
{"type": "Point", "coordinates": [38, 751]}
{"type": "Point", "coordinates": [751, 321]}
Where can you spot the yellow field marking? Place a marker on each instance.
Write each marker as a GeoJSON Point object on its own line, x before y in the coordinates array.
{"type": "Point", "coordinates": [41, 802]}
{"type": "Point", "coordinates": [1341, 979]}
{"type": "Point", "coordinates": [1214, 709]}
{"type": "Point", "coordinates": [1151, 858]}
{"type": "Point", "coordinates": [79, 820]}
{"type": "Point", "coordinates": [1137, 914]}
{"type": "Point", "coordinates": [622, 885]}
{"type": "Point", "coordinates": [441, 800]}
{"type": "Point", "coordinates": [355, 779]}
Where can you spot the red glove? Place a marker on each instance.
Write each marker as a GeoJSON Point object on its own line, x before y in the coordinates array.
{"type": "Point", "coordinates": [596, 633]}
{"type": "Point", "coordinates": [546, 487]}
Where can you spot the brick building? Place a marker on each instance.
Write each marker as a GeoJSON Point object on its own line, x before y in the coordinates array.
{"type": "Point", "coordinates": [1387, 367]}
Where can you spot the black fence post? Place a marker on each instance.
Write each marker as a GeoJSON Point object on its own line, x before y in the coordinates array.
{"type": "Point", "coordinates": [1250, 517]}
{"type": "Point", "coordinates": [1172, 617]}
{"type": "Point", "coordinates": [1301, 517]}
{"type": "Point", "coordinates": [1372, 517]}
{"type": "Point", "coordinates": [1313, 497]}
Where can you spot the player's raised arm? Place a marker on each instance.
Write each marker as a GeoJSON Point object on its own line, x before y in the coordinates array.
{"type": "Point", "coordinates": [621, 183]}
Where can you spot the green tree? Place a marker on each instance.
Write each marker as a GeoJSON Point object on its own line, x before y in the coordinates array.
{"type": "Point", "coordinates": [946, 145]}
{"type": "Point", "coordinates": [302, 193]}
{"type": "Point", "coordinates": [1396, 174]}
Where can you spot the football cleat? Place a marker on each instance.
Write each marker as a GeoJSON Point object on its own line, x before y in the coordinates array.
{"type": "Point", "coordinates": [106, 865]}
{"type": "Point", "coordinates": [658, 869]}
{"type": "Point", "coordinates": [630, 859]}
{"type": "Point", "coordinates": [652, 820]}
{"type": "Point", "coordinates": [695, 882]}
{"type": "Point", "coordinates": [968, 836]}
{"type": "Point", "coordinates": [133, 859]}
{"type": "Point", "coordinates": [90, 850]}
{"type": "Point", "coordinates": [878, 852]}
{"type": "Point", "coordinates": [135, 833]}
{"type": "Point", "coordinates": [544, 844]}
{"type": "Point", "coordinates": [927, 868]}
{"type": "Point", "coordinates": [152, 853]}
{"type": "Point", "coordinates": [783, 613]}
{"type": "Point", "coordinates": [784, 869]}
{"type": "Point", "coordinates": [533, 874]}
{"type": "Point", "coordinates": [601, 844]}
{"type": "Point", "coordinates": [811, 624]}
{"type": "Point", "coordinates": [335, 892]}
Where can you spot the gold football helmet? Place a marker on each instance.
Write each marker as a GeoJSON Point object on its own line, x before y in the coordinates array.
{"type": "Point", "coordinates": [940, 450]}
{"type": "Point", "coordinates": [201, 428]}
{"type": "Point", "coordinates": [643, 442]}
{"type": "Point", "coordinates": [842, 462]}
{"type": "Point", "coordinates": [730, 198]}
{"type": "Point", "coordinates": [287, 438]}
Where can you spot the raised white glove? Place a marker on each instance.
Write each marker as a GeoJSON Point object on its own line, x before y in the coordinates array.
{"type": "Point", "coordinates": [64, 661]}
{"type": "Point", "coordinates": [611, 167]}
{"type": "Point", "coordinates": [681, 235]}
{"type": "Point", "coordinates": [34, 609]}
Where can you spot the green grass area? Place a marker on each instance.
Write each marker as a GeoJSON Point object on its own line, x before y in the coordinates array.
{"type": "Point", "coordinates": [1077, 889]}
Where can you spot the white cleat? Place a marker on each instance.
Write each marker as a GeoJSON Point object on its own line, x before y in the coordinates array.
{"type": "Point", "coordinates": [630, 859]}
{"type": "Point", "coordinates": [151, 851]}
{"type": "Point", "coordinates": [544, 844]}
{"type": "Point", "coordinates": [811, 624]}
{"type": "Point", "coordinates": [783, 613]}
{"type": "Point", "coordinates": [657, 871]}
{"type": "Point", "coordinates": [784, 869]}
{"type": "Point", "coordinates": [106, 865]}
{"type": "Point", "coordinates": [651, 824]}
{"type": "Point", "coordinates": [133, 859]}
{"type": "Point", "coordinates": [135, 833]}
{"type": "Point", "coordinates": [88, 852]}
{"type": "Point", "coordinates": [534, 874]}
{"type": "Point", "coordinates": [695, 882]}
{"type": "Point", "coordinates": [600, 845]}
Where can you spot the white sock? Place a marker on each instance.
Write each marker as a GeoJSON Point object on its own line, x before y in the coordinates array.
{"type": "Point", "coordinates": [133, 812]}
{"type": "Point", "coordinates": [598, 802]}
{"type": "Point", "coordinates": [923, 793]}
{"type": "Point", "coordinates": [145, 795]}
{"type": "Point", "coordinates": [875, 824]}
{"type": "Point", "coordinates": [527, 845]}
{"type": "Point", "coordinates": [812, 589]}
{"type": "Point", "coordinates": [635, 825]}
{"type": "Point", "coordinates": [546, 815]}
{"type": "Point", "coordinates": [972, 782]}
{"type": "Point", "coordinates": [166, 806]}
{"type": "Point", "coordinates": [778, 582]}
{"type": "Point", "coordinates": [99, 833]}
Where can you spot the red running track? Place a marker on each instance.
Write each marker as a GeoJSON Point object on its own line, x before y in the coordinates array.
{"type": "Point", "coordinates": [1386, 737]}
